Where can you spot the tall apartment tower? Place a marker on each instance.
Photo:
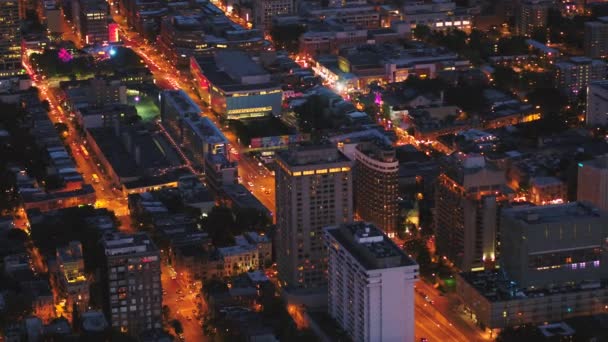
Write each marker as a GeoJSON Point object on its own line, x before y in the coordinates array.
{"type": "Point", "coordinates": [91, 20]}
{"type": "Point", "coordinates": [467, 201]}
{"type": "Point", "coordinates": [131, 279]}
{"type": "Point", "coordinates": [575, 74]}
{"type": "Point", "coordinates": [370, 284]}
{"type": "Point", "coordinates": [531, 15]}
{"type": "Point", "coordinates": [10, 38]}
{"type": "Point", "coordinates": [376, 174]}
{"type": "Point", "coordinates": [593, 182]}
{"type": "Point", "coordinates": [596, 38]}
{"type": "Point", "coordinates": [313, 191]}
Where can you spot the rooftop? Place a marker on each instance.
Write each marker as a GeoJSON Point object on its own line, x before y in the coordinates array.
{"type": "Point", "coordinates": [312, 155]}
{"type": "Point", "coordinates": [370, 246]}
{"type": "Point", "coordinates": [495, 286]}
{"type": "Point", "coordinates": [573, 211]}
{"type": "Point", "coordinates": [120, 244]}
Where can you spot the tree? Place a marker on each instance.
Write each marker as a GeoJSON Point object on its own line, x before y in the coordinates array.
{"type": "Point", "coordinates": [220, 224]}
{"type": "Point", "coordinates": [166, 312]}
{"type": "Point", "coordinates": [287, 37]}
{"type": "Point", "coordinates": [177, 326]}
{"type": "Point", "coordinates": [422, 32]}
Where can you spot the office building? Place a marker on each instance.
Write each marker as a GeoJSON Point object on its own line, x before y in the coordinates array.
{"type": "Point", "coordinates": [10, 39]}
{"type": "Point", "coordinates": [596, 38]}
{"type": "Point", "coordinates": [531, 15]}
{"type": "Point", "coordinates": [437, 15]}
{"type": "Point", "coordinates": [131, 283]}
{"type": "Point", "coordinates": [370, 284]}
{"type": "Point", "coordinates": [592, 182]}
{"type": "Point", "coordinates": [554, 245]}
{"type": "Point", "coordinates": [575, 74]}
{"type": "Point", "coordinates": [597, 104]}
{"type": "Point", "coordinates": [182, 37]}
{"type": "Point", "coordinates": [72, 280]}
{"type": "Point", "coordinates": [313, 191]}
{"type": "Point", "coordinates": [554, 266]}
{"type": "Point", "coordinates": [91, 21]}
{"type": "Point", "coordinates": [265, 10]}
{"type": "Point", "coordinates": [467, 200]}
{"type": "Point", "coordinates": [236, 87]}
{"type": "Point", "coordinates": [376, 176]}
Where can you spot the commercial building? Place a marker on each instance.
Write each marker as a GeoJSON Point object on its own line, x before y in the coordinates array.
{"type": "Point", "coordinates": [437, 15]}
{"type": "Point", "coordinates": [554, 245]}
{"type": "Point", "coordinates": [10, 39]}
{"type": "Point", "coordinates": [376, 185]}
{"type": "Point", "coordinates": [313, 191]}
{"type": "Point", "coordinates": [575, 74]}
{"type": "Point", "coordinates": [265, 10]}
{"type": "Point", "coordinates": [91, 21]}
{"type": "Point", "coordinates": [131, 283]}
{"type": "Point", "coordinates": [467, 200]}
{"type": "Point", "coordinates": [370, 284]}
{"type": "Point", "coordinates": [72, 280]}
{"type": "Point", "coordinates": [531, 15]}
{"type": "Point", "coordinates": [363, 16]}
{"type": "Point", "coordinates": [597, 104]}
{"type": "Point", "coordinates": [592, 182]}
{"type": "Point", "coordinates": [554, 266]}
{"type": "Point", "coordinates": [596, 38]}
{"type": "Point", "coordinates": [548, 190]}
{"type": "Point", "coordinates": [205, 143]}
{"type": "Point", "coordinates": [236, 87]}
{"type": "Point", "coordinates": [182, 37]}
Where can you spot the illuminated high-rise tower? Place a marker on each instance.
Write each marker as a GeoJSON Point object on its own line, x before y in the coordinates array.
{"type": "Point", "coordinates": [10, 38]}
{"type": "Point", "coordinates": [313, 191]}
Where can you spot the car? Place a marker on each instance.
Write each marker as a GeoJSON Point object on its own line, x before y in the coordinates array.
{"type": "Point", "coordinates": [424, 339]}
{"type": "Point", "coordinates": [250, 184]}
{"type": "Point", "coordinates": [267, 192]}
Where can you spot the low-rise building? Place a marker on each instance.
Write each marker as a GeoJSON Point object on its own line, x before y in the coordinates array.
{"type": "Point", "coordinates": [548, 190]}
{"type": "Point", "coordinates": [236, 87]}
{"type": "Point", "coordinates": [70, 276]}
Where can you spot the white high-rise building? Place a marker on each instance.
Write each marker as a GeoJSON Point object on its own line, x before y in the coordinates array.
{"type": "Point", "coordinates": [370, 284]}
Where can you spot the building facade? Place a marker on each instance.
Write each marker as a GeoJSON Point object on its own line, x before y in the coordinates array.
{"type": "Point", "coordinates": [236, 87]}
{"type": "Point", "coordinates": [91, 21]}
{"type": "Point", "coordinates": [10, 38]}
{"type": "Point", "coordinates": [575, 74]}
{"type": "Point", "coordinates": [531, 15]}
{"type": "Point", "coordinates": [313, 191]}
{"type": "Point", "coordinates": [593, 182]}
{"type": "Point", "coordinates": [264, 10]}
{"type": "Point", "coordinates": [467, 201]}
{"type": "Point", "coordinates": [376, 177]}
{"type": "Point", "coordinates": [597, 104]}
{"type": "Point", "coordinates": [596, 38]}
{"type": "Point", "coordinates": [554, 266]}
{"type": "Point", "coordinates": [370, 284]}
{"type": "Point", "coordinates": [131, 283]}
{"type": "Point", "coordinates": [71, 277]}
{"type": "Point", "coordinates": [554, 245]}
{"type": "Point", "coordinates": [548, 190]}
